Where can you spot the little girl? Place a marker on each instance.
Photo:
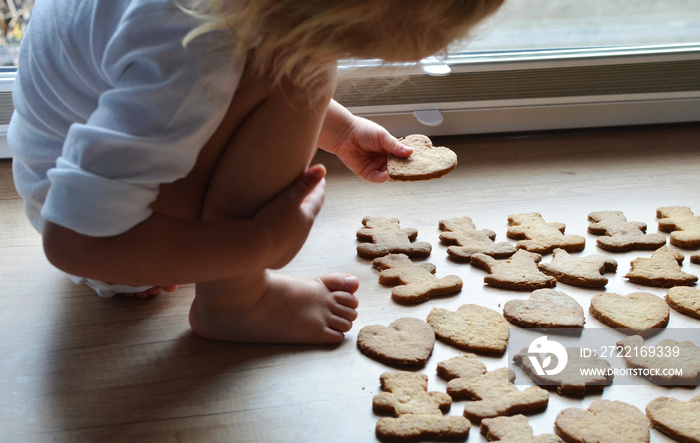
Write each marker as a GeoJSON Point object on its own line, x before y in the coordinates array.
{"type": "Point", "coordinates": [158, 142]}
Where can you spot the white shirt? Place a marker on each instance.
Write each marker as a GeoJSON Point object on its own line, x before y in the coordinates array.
{"type": "Point", "coordinates": [109, 105]}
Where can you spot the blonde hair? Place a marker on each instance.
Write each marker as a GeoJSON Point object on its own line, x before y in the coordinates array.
{"type": "Point", "coordinates": [298, 38]}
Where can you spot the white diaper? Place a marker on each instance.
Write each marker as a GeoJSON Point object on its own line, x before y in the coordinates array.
{"type": "Point", "coordinates": [107, 290]}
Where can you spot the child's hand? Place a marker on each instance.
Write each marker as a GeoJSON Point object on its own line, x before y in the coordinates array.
{"type": "Point", "coordinates": [364, 149]}
{"type": "Point", "coordinates": [289, 216]}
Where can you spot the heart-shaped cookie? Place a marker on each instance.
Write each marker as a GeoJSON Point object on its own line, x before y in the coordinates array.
{"type": "Point", "coordinates": [425, 163]}
{"type": "Point", "coordinates": [546, 308]}
{"type": "Point", "coordinates": [685, 300]}
{"type": "Point", "coordinates": [406, 341]}
{"type": "Point", "coordinates": [638, 313]}
{"type": "Point", "coordinates": [604, 421]}
{"type": "Point", "coordinates": [472, 327]}
{"type": "Point", "coordinates": [678, 419]}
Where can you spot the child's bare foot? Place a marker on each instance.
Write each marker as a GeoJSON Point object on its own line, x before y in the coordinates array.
{"type": "Point", "coordinates": [152, 291]}
{"type": "Point", "coordinates": [289, 310]}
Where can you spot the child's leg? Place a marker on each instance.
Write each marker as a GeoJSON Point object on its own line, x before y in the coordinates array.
{"type": "Point", "coordinates": [265, 142]}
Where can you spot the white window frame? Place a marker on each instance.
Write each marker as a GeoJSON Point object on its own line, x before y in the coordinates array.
{"type": "Point", "coordinates": [655, 102]}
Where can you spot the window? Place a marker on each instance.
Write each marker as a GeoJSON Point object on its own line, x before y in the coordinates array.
{"type": "Point", "coordinates": [542, 64]}
{"type": "Point", "coordinates": [15, 16]}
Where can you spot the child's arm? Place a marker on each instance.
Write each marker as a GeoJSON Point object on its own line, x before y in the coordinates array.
{"type": "Point", "coordinates": [166, 250]}
{"type": "Point", "coordinates": [361, 144]}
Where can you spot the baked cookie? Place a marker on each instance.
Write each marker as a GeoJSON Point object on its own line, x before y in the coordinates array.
{"type": "Point", "coordinates": [492, 393]}
{"type": "Point", "coordinates": [515, 429]}
{"type": "Point", "coordinates": [695, 258]}
{"type": "Point", "coordinates": [685, 300]}
{"type": "Point", "coordinates": [663, 270]}
{"type": "Point", "coordinates": [406, 341]}
{"type": "Point", "coordinates": [683, 225]}
{"type": "Point", "coordinates": [467, 240]}
{"type": "Point", "coordinates": [639, 313]}
{"type": "Point", "coordinates": [472, 327]}
{"type": "Point", "coordinates": [382, 236]}
{"type": "Point", "coordinates": [417, 412]}
{"type": "Point", "coordinates": [678, 419]}
{"type": "Point", "coordinates": [415, 283]}
{"type": "Point", "coordinates": [663, 361]}
{"type": "Point", "coordinates": [571, 381]}
{"type": "Point", "coordinates": [545, 309]}
{"type": "Point", "coordinates": [621, 235]}
{"type": "Point", "coordinates": [426, 162]}
{"type": "Point", "coordinates": [542, 237]}
{"type": "Point", "coordinates": [604, 421]}
{"type": "Point", "coordinates": [579, 271]}
{"type": "Point", "coordinates": [518, 272]}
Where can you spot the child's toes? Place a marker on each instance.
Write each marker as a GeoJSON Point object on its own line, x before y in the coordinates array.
{"type": "Point", "coordinates": [344, 310]}
{"type": "Point", "coordinates": [339, 324]}
{"type": "Point", "coordinates": [340, 282]}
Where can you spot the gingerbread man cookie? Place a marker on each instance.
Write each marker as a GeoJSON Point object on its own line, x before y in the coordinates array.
{"type": "Point", "coordinates": [518, 272]}
{"type": "Point", "coordinates": [467, 240]}
{"type": "Point", "coordinates": [415, 283]}
{"type": "Point", "coordinates": [542, 237]}
{"type": "Point", "coordinates": [417, 412]}
{"type": "Point", "coordinates": [683, 225]}
{"type": "Point", "coordinates": [382, 236]}
{"type": "Point", "coordinates": [492, 393]}
{"type": "Point", "coordinates": [621, 235]}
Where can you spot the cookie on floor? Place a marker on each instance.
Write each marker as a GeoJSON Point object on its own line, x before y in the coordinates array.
{"type": "Point", "coordinates": [382, 236]}
{"type": "Point", "coordinates": [620, 234]}
{"type": "Point", "coordinates": [685, 300]}
{"type": "Point", "coordinates": [514, 429]}
{"type": "Point", "coordinates": [541, 237]}
{"type": "Point", "coordinates": [603, 421]}
{"type": "Point", "coordinates": [678, 419]}
{"type": "Point", "coordinates": [640, 313]}
{"type": "Point", "coordinates": [579, 271]}
{"type": "Point", "coordinates": [545, 309]}
{"type": "Point", "coordinates": [491, 393]}
{"type": "Point", "coordinates": [413, 283]}
{"type": "Point", "coordinates": [472, 328]}
{"type": "Point", "coordinates": [406, 341]}
{"type": "Point", "coordinates": [519, 272]}
{"type": "Point", "coordinates": [466, 240]}
{"type": "Point", "coordinates": [662, 269]}
{"type": "Point", "coordinates": [572, 381]}
{"type": "Point", "coordinates": [667, 363]}
{"type": "Point", "coordinates": [417, 412]}
{"type": "Point", "coordinates": [683, 225]}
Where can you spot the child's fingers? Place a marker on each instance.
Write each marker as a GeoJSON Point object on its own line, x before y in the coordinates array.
{"type": "Point", "coordinates": [306, 183]}
{"type": "Point", "coordinates": [393, 146]}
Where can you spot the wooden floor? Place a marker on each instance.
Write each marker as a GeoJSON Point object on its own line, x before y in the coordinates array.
{"type": "Point", "coordinates": [74, 367]}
